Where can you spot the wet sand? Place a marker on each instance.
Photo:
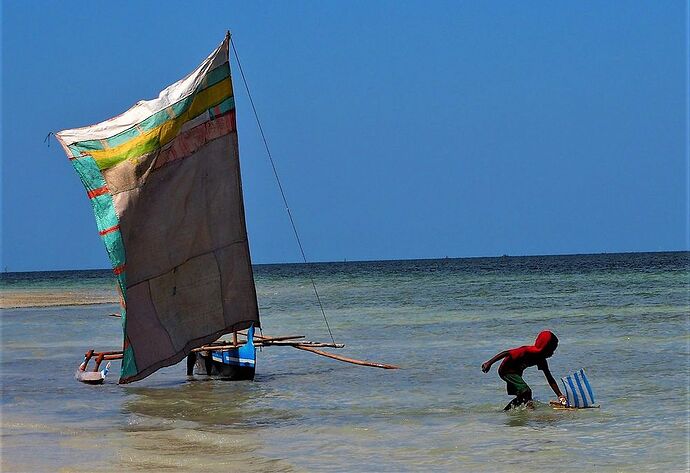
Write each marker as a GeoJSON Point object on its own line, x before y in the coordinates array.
{"type": "Point", "coordinates": [51, 298]}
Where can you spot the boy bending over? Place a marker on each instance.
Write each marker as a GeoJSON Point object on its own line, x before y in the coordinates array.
{"type": "Point", "coordinates": [517, 359]}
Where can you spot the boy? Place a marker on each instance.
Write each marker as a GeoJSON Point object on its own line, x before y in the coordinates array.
{"type": "Point", "coordinates": [515, 362]}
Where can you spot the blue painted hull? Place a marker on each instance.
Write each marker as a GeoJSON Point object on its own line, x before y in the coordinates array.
{"type": "Point", "coordinates": [235, 364]}
{"type": "Point", "coordinates": [209, 365]}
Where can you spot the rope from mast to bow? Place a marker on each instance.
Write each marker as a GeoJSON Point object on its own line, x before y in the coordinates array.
{"type": "Point", "coordinates": [280, 186]}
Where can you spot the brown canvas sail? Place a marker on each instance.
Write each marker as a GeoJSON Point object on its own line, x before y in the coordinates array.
{"type": "Point", "coordinates": [164, 181]}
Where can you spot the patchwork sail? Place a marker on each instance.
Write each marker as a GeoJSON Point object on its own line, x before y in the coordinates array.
{"type": "Point", "coordinates": [164, 182]}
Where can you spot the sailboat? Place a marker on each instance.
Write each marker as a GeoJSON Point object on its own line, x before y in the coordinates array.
{"type": "Point", "coordinates": [165, 185]}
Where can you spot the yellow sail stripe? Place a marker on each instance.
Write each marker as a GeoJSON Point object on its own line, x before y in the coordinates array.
{"type": "Point", "coordinates": [167, 131]}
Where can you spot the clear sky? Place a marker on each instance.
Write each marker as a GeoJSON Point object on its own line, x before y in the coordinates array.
{"type": "Point", "coordinates": [400, 129]}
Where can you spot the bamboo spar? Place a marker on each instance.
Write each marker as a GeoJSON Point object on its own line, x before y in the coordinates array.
{"type": "Point", "coordinates": [347, 360]}
{"type": "Point", "coordinates": [267, 344]}
{"type": "Point", "coordinates": [261, 342]}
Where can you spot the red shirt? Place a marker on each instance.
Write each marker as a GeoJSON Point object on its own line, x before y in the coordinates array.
{"type": "Point", "coordinates": [525, 356]}
{"type": "Point", "coordinates": [522, 357]}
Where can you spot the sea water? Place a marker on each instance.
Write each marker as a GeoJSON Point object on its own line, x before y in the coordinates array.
{"type": "Point", "coordinates": [623, 318]}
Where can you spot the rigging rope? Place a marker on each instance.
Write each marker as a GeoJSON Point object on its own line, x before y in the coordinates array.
{"type": "Point", "coordinates": [280, 186]}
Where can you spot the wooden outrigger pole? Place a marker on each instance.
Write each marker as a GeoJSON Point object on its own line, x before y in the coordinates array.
{"type": "Point", "coordinates": [345, 359]}
{"type": "Point", "coordinates": [95, 376]}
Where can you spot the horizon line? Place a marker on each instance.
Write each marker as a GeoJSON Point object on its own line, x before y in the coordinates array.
{"type": "Point", "coordinates": [440, 258]}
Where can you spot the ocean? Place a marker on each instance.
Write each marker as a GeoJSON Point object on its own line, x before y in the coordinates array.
{"type": "Point", "coordinates": [624, 318]}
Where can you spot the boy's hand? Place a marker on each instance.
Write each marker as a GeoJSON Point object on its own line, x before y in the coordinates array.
{"type": "Point", "coordinates": [562, 400]}
{"type": "Point", "coordinates": [486, 367]}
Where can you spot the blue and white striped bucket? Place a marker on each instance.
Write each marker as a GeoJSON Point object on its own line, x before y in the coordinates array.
{"type": "Point", "coordinates": [577, 390]}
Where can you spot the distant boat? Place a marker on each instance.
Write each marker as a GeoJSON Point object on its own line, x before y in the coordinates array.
{"type": "Point", "coordinates": [165, 185]}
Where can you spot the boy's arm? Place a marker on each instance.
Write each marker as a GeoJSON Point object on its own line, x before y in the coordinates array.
{"type": "Point", "coordinates": [486, 366]}
{"type": "Point", "coordinates": [552, 383]}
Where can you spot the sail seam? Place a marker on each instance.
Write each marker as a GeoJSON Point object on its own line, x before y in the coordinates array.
{"type": "Point", "coordinates": [187, 260]}
{"type": "Point", "coordinates": [155, 311]}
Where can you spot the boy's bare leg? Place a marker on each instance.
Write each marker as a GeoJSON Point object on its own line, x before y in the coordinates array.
{"type": "Point", "coordinates": [514, 403]}
{"type": "Point", "coordinates": [522, 398]}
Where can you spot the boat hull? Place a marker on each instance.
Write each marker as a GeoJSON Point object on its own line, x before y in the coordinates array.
{"type": "Point", "coordinates": [234, 364]}
{"type": "Point", "coordinates": [212, 364]}
{"type": "Point", "coordinates": [89, 377]}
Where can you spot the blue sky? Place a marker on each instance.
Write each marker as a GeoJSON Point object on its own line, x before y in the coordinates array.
{"type": "Point", "coordinates": [399, 129]}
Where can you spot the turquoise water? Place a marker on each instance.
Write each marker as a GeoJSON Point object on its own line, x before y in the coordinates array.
{"type": "Point", "coordinates": [623, 318]}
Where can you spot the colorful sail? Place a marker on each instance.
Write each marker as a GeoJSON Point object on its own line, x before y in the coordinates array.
{"type": "Point", "coordinates": [164, 181]}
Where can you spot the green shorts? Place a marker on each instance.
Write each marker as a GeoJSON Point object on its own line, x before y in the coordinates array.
{"type": "Point", "coordinates": [515, 384]}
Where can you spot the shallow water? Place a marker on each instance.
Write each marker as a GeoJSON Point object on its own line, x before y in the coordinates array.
{"type": "Point", "coordinates": [624, 318]}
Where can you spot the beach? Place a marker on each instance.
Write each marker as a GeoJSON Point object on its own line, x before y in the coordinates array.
{"type": "Point", "coordinates": [57, 288]}
{"type": "Point", "coordinates": [622, 317]}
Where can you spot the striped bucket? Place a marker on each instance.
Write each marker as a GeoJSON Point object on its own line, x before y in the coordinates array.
{"type": "Point", "coordinates": [577, 390]}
